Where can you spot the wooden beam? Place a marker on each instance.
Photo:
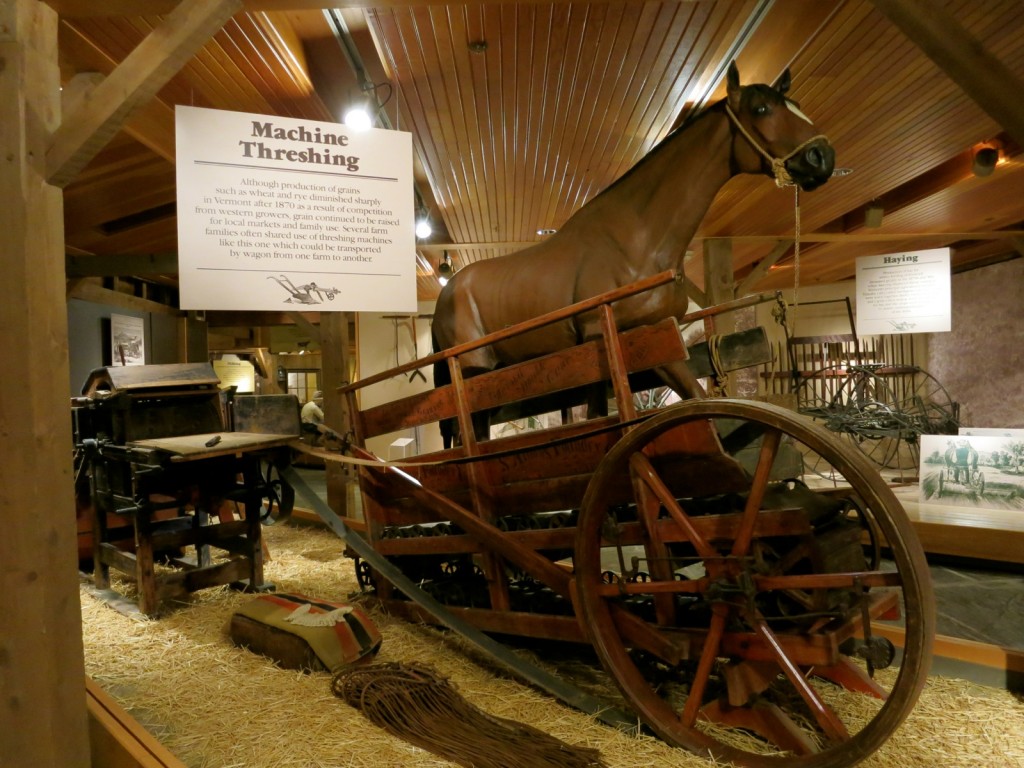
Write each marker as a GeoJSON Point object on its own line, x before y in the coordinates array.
{"type": "Point", "coordinates": [876, 237]}
{"type": "Point", "coordinates": [805, 237]}
{"type": "Point", "coordinates": [43, 717]}
{"type": "Point", "coordinates": [440, 247]}
{"type": "Point", "coordinates": [152, 124]}
{"type": "Point", "coordinates": [223, 318]}
{"type": "Point", "coordinates": [695, 293]}
{"type": "Point", "coordinates": [73, 94]}
{"type": "Point", "coordinates": [719, 285]}
{"type": "Point", "coordinates": [334, 370]}
{"type": "Point", "coordinates": [123, 265]}
{"type": "Point", "coordinates": [308, 326]}
{"type": "Point", "coordinates": [92, 8]}
{"type": "Point", "coordinates": [86, 290]}
{"type": "Point", "coordinates": [117, 739]}
{"type": "Point", "coordinates": [968, 63]}
{"type": "Point", "coordinates": [746, 285]}
{"type": "Point", "coordinates": [143, 72]}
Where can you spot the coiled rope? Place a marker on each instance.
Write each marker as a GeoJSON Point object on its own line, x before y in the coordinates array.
{"type": "Point", "coordinates": [411, 702]}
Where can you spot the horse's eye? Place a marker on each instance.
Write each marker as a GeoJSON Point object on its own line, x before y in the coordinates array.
{"type": "Point", "coordinates": [761, 110]}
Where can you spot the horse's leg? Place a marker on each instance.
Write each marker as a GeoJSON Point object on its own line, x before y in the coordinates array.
{"type": "Point", "coordinates": [443, 377]}
{"type": "Point", "coordinates": [681, 380]}
{"type": "Point", "coordinates": [482, 425]}
{"type": "Point", "coordinates": [597, 400]}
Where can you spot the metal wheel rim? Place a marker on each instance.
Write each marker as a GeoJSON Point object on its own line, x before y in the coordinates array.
{"type": "Point", "coordinates": [278, 498]}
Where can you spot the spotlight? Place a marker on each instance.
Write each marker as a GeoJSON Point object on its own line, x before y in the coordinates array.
{"type": "Point", "coordinates": [423, 228]}
{"type": "Point", "coordinates": [873, 215]}
{"type": "Point", "coordinates": [985, 160]}
{"type": "Point", "coordinates": [445, 270]}
{"type": "Point", "coordinates": [358, 118]}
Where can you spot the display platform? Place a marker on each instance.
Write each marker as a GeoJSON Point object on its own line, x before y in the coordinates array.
{"type": "Point", "coordinates": [965, 531]}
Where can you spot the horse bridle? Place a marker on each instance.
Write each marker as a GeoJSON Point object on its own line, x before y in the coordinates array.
{"type": "Point", "coordinates": [778, 164]}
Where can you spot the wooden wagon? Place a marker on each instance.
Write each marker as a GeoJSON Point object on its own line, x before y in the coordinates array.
{"type": "Point", "coordinates": [745, 611]}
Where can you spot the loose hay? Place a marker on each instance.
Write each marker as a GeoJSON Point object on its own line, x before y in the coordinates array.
{"type": "Point", "coordinates": [218, 706]}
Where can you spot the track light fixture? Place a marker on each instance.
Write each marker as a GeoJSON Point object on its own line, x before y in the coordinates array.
{"type": "Point", "coordinates": [445, 270]}
{"type": "Point", "coordinates": [364, 112]}
{"type": "Point", "coordinates": [985, 160]}
{"type": "Point", "coordinates": [873, 214]}
{"type": "Point", "coordinates": [357, 117]}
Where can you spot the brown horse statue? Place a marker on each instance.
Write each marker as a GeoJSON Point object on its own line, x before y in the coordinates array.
{"type": "Point", "coordinates": [639, 226]}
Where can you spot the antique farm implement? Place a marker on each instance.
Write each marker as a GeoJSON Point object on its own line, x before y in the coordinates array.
{"type": "Point", "coordinates": [743, 612]}
{"type": "Point", "coordinates": [165, 468]}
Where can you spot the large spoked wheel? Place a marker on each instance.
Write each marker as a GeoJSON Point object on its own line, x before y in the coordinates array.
{"type": "Point", "coordinates": [924, 402]}
{"type": "Point", "coordinates": [744, 614]}
{"type": "Point", "coordinates": [278, 495]}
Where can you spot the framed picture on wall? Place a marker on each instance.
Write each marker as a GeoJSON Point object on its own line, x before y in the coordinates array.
{"type": "Point", "coordinates": [127, 340]}
{"type": "Point", "coordinates": [985, 472]}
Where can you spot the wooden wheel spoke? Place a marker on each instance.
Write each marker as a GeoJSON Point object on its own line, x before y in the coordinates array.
{"type": "Point", "coordinates": [765, 460]}
{"type": "Point", "coordinates": [707, 659]}
{"type": "Point", "coordinates": [654, 587]}
{"type": "Point", "coordinates": [647, 637]}
{"type": "Point", "coordinates": [823, 714]}
{"type": "Point", "coordinates": [644, 471]}
{"type": "Point", "coordinates": [827, 580]}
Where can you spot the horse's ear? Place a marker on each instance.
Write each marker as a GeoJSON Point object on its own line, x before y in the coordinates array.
{"type": "Point", "coordinates": [784, 81]}
{"type": "Point", "coordinates": [732, 80]}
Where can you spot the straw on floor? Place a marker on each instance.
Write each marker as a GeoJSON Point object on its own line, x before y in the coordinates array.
{"type": "Point", "coordinates": [218, 706]}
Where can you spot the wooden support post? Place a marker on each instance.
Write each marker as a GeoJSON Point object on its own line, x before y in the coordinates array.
{"type": "Point", "coordinates": [334, 351]}
{"type": "Point", "coordinates": [719, 287]}
{"type": "Point", "coordinates": [43, 718]}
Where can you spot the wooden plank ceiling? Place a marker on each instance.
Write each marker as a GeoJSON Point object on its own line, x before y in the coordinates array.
{"type": "Point", "coordinates": [520, 113]}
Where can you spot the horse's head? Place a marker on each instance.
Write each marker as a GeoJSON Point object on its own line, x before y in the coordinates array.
{"type": "Point", "coordinates": [773, 136]}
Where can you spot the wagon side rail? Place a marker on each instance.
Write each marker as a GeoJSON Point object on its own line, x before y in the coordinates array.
{"type": "Point", "coordinates": [521, 473]}
{"type": "Point", "coordinates": [587, 305]}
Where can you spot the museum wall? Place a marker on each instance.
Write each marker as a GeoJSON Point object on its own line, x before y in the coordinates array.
{"type": "Point", "coordinates": [89, 339]}
{"type": "Point", "coordinates": [979, 360]}
{"type": "Point", "coordinates": [382, 344]}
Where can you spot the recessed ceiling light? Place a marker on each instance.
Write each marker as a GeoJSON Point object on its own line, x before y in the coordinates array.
{"type": "Point", "coordinates": [543, 232]}
{"type": "Point", "coordinates": [840, 172]}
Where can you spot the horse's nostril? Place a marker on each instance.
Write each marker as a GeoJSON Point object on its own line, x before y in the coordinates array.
{"type": "Point", "coordinates": [814, 157]}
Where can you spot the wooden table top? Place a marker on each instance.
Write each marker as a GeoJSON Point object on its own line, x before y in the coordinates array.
{"type": "Point", "coordinates": [192, 447]}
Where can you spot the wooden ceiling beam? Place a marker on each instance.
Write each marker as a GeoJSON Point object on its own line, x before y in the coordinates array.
{"type": "Point", "coordinates": [146, 69]}
{"type": "Point", "coordinates": [88, 290]}
{"type": "Point", "coordinates": [312, 329]}
{"type": "Point", "coordinates": [223, 318]}
{"type": "Point", "coordinates": [877, 237]}
{"type": "Point", "coordinates": [746, 285]}
{"type": "Point", "coordinates": [121, 266]}
{"type": "Point", "coordinates": [90, 8]}
{"type": "Point", "coordinates": [931, 182]}
{"type": "Point", "coordinates": [968, 63]}
{"type": "Point", "coordinates": [152, 124]}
